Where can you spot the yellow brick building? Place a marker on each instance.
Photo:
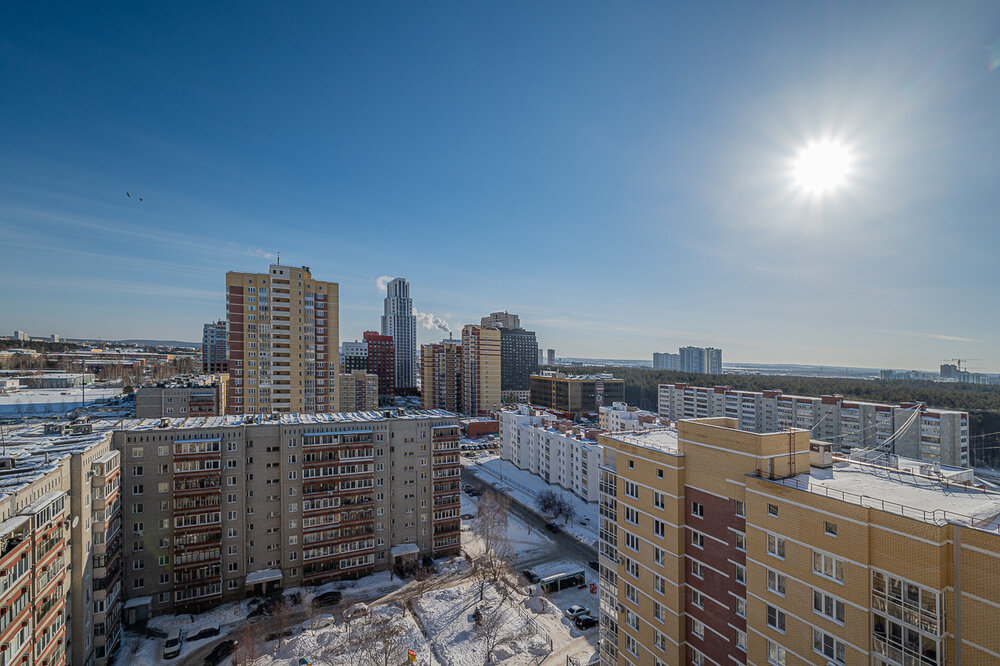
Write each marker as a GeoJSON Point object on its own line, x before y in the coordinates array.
{"type": "Point", "coordinates": [722, 546]}
{"type": "Point", "coordinates": [480, 370]}
{"type": "Point", "coordinates": [357, 392]}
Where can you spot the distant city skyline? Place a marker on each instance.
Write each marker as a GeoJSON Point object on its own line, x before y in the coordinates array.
{"type": "Point", "coordinates": [619, 181]}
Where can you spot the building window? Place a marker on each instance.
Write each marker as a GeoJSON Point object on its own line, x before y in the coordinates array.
{"type": "Point", "coordinates": [741, 509]}
{"type": "Point", "coordinates": [741, 574]}
{"type": "Point", "coordinates": [830, 528]}
{"type": "Point", "coordinates": [828, 606]}
{"type": "Point", "coordinates": [740, 541]}
{"type": "Point", "coordinates": [828, 566]}
{"type": "Point", "coordinates": [741, 607]}
{"type": "Point", "coordinates": [660, 584]}
{"type": "Point", "coordinates": [631, 515]}
{"type": "Point", "coordinates": [697, 658]}
{"type": "Point", "coordinates": [697, 539]}
{"type": "Point", "coordinates": [660, 641]}
{"type": "Point", "coordinates": [697, 599]}
{"type": "Point", "coordinates": [828, 646]}
{"type": "Point", "coordinates": [776, 619]}
{"type": "Point", "coordinates": [659, 500]}
{"type": "Point", "coordinates": [697, 509]}
{"type": "Point", "coordinates": [698, 628]}
{"type": "Point", "coordinates": [697, 570]}
{"type": "Point", "coordinates": [776, 582]}
{"type": "Point", "coordinates": [772, 509]}
{"type": "Point", "coordinates": [631, 490]}
{"type": "Point", "coordinates": [632, 541]}
{"type": "Point", "coordinates": [659, 528]}
{"type": "Point", "coordinates": [741, 640]}
{"type": "Point", "coordinates": [775, 654]}
{"type": "Point", "coordinates": [659, 612]}
{"type": "Point", "coordinates": [659, 556]}
{"type": "Point", "coordinates": [775, 546]}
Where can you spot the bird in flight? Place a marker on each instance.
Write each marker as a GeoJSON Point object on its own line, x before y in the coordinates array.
{"type": "Point", "coordinates": [129, 195]}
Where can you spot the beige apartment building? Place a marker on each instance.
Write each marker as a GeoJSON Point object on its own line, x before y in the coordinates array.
{"type": "Point", "coordinates": [909, 429]}
{"type": "Point", "coordinates": [358, 391]}
{"type": "Point", "coordinates": [283, 341]}
{"type": "Point", "coordinates": [720, 546]}
{"type": "Point", "coordinates": [182, 397]}
{"type": "Point", "coordinates": [60, 557]}
{"type": "Point", "coordinates": [480, 370]}
{"type": "Point", "coordinates": [441, 375]}
{"type": "Point", "coordinates": [219, 508]}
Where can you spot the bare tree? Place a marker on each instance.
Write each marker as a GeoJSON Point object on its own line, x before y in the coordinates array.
{"type": "Point", "coordinates": [490, 525]}
{"type": "Point", "coordinates": [249, 647]}
{"type": "Point", "coordinates": [279, 622]}
{"type": "Point", "coordinates": [494, 629]}
{"type": "Point", "coordinates": [384, 639]}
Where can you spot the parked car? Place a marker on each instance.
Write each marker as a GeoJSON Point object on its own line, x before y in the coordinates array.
{"type": "Point", "coordinates": [474, 493]}
{"type": "Point", "coordinates": [220, 652]}
{"type": "Point", "coordinates": [552, 527]}
{"type": "Point", "coordinates": [357, 610]}
{"type": "Point", "coordinates": [575, 611]}
{"type": "Point", "coordinates": [531, 576]}
{"type": "Point", "coordinates": [204, 633]}
{"type": "Point", "coordinates": [330, 598]}
{"type": "Point", "coordinates": [321, 621]}
{"type": "Point", "coordinates": [172, 646]}
{"type": "Point", "coordinates": [467, 516]}
{"type": "Point", "coordinates": [593, 564]}
{"type": "Point", "coordinates": [466, 487]}
{"type": "Point", "coordinates": [585, 621]}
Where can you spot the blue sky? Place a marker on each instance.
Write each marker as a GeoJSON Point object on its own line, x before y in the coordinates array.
{"type": "Point", "coordinates": [616, 173]}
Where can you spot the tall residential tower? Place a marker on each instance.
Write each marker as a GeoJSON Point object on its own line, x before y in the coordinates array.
{"type": "Point", "coordinates": [399, 322]}
{"type": "Point", "coordinates": [283, 341]}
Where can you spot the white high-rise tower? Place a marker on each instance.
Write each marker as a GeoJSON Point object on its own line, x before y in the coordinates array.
{"type": "Point", "coordinates": [399, 322]}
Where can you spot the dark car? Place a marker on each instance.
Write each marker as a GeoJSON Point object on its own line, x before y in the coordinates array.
{"type": "Point", "coordinates": [585, 621]}
{"type": "Point", "coordinates": [331, 598]}
{"type": "Point", "coordinates": [467, 516]}
{"type": "Point", "coordinates": [220, 652]}
{"type": "Point", "coordinates": [474, 493]}
{"type": "Point", "coordinates": [593, 564]}
{"type": "Point", "coordinates": [204, 633]}
{"type": "Point", "coordinates": [552, 527]}
{"type": "Point", "coordinates": [531, 576]}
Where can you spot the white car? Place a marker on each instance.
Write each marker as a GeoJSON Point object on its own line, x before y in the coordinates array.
{"type": "Point", "coordinates": [321, 621]}
{"type": "Point", "coordinates": [172, 646]}
{"type": "Point", "coordinates": [357, 610]}
{"type": "Point", "coordinates": [575, 611]}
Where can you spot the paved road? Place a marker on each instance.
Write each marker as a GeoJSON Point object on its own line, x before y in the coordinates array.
{"type": "Point", "coordinates": [566, 546]}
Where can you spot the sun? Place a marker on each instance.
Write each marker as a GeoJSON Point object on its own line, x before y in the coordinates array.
{"type": "Point", "coordinates": [822, 167]}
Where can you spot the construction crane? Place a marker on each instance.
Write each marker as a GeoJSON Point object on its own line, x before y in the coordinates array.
{"type": "Point", "coordinates": [959, 361]}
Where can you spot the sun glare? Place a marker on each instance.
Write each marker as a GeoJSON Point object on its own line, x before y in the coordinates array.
{"type": "Point", "coordinates": [822, 167]}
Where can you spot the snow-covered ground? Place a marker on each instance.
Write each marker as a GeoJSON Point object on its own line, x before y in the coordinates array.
{"type": "Point", "coordinates": [525, 487]}
{"type": "Point", "coordinates": [447, 616]}
{"type": "Point", "coordinates": [332, 645]}
{"type": "Point", "coordinates": [526, 541]}
{"type": "Point", "coordinates": [36, 402]}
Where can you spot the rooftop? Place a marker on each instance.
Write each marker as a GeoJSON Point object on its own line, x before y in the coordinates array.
{"type": "Point", "coordinates": [904, 492]}
{"type": "Point", "coordinates": [662, 439]}
{"type": "Point", "coordinates": [237, 420]}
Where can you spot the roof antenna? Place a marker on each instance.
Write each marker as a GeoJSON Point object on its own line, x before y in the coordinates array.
{"type": "Point", "coordinates": [278, 254]}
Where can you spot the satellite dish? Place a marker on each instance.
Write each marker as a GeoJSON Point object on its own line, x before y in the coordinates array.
{"type": "Point", "coordinates": [76, 521]}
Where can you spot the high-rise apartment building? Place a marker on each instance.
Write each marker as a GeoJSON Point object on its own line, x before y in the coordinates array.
{"type": "Point", "coordinates": [283, 341]}
{"type": "Point", "coordinates": [214, 348]}
{"type": "Point", "coordinates": [501, 320]}
{"type": "Point", "coordinates": [666, 361]}
{"type": "Point", "coordinates": [700, 360]}
{"type": "Point", "coordinates": [381, 355]}
{"type": "Point", "coordinates": [721, 546]}
{"type": "Point", "coordinates": [480, 370]}
{"type": "Point", "coordinates": [61, 589]}
{"type": "Point", "coordinates": [399, 322]}
{"type": "Point", "coordinates": [182, 397]}
{"type": "Point", "coordinates": [912, 430]}
{"type": "Point", "coordinates": [441, 375]}
{"type": "Point", "coordinates": [221, 508]}
{"type": "Point", "coordinates": [575, 394]}
{"type": "Point", "coordinates": [358, 391]}
{"type": "Point", "coordinates": [518, 352]}
{"type": "Point", "coordinates": [550, 357]}
{"type": "Point", "coordinates": [692, 359]}
{"type": "Point", "coordinates": [353, 356]}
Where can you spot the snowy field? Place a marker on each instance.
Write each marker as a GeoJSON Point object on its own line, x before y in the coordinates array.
{"type": "Point", "coordinates": [525, 487]}
{"type": "Point", "coordinates": [37, 402]}
{"type": "Point", "coordinates": [447, 616]}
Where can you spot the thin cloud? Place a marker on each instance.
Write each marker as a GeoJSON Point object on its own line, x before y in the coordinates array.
{"type": "Point", "coordinates": [258, 252]}
{"type": "Point", "coordinates": [430, 321]}
{"type": "Point", "coordinates": [382, 282]}
{"type": "Point", "coordinates": [952, 338]}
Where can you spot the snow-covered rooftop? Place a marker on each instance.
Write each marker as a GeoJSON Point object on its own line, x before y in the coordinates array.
{"type": "Point", "coordinates": [237, 420]}
{"type": "Point", "coordinates": [663, 439]}
{"type": "Point", "coordinates": [903, 492]}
